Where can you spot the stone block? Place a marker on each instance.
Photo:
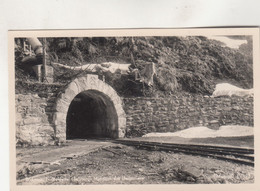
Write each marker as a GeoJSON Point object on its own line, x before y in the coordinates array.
{"type": "Point", "coordinates": [69, 94]}
{"type": "Point", "coordinates": [32, 120]}
{"type": "Point", "coordinates": [190, 171]}
{"type": "Point", "coordinates": [60, 130]}
{"type": "Point", "coordinates": [18, 118]}
{"type": "Point", "coordinates": [59, 116]}
{"type": "Point", "coordinates": [148, 103]}
{"type": "Point", "coordinates": [25, 103]}
{"type": "Point", "coordinates": [61, 137]}
{"type": "Point", "coordinates": [45, 119]}
{"type": "Point", "coordinates": [122, 121]}
{"type": "Point", "coordinates": [62, 106]}
{"type": "Point", "coordinates": [60, 123]}
{"type": "Point", "coordinates": [73, 87]}
{"type": "Point", "coordinates": [171, 127]}
{"type": "Point", "coordinates": [35, 111]}
{"type": "Point", "coordinates": [82, 82]}
{"type": "Point", "coordinates": [80, 87]}
{"type": "Point", "coordinates": [121, 133]}
{"type": "Point", "coordinates": [35, 135]}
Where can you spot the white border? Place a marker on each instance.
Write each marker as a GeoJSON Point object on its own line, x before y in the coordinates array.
{"type": "Point", "coordinates": [136, 32]}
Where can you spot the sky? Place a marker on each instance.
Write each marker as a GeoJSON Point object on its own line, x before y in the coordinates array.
{"type": "Point", "coordinates": [232, 43]}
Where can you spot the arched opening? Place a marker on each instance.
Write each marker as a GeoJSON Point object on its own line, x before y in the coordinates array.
{"type": "Point", "coordinates": [91, 114]}
{"type": "Point", "coordinates": [72, 109]}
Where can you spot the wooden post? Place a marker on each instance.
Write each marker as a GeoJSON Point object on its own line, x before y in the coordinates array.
{"type": "Point", "coordinates": [44, 60]}
{"type": "Point", "coordinates": [24, 46]}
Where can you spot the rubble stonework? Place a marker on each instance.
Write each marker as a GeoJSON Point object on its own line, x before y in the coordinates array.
{"type": "Point", "coordinates": [41, 120]}
{"type": "Point", "coordinates": [33, 115]}
{"type": "Point", "coordinates": [145, 115]}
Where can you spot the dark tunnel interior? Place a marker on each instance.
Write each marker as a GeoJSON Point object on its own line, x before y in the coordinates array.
{"type": "Point", "coordinates": [91, 114]}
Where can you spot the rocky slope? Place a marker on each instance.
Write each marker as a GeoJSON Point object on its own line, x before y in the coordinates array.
{"type": "Point", "coordinates": [183, 64]}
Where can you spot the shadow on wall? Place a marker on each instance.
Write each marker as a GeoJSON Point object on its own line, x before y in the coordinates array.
{"type": "Point", "coordinates": [91, 114]}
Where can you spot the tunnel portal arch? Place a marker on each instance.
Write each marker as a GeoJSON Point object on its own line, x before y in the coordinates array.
{"type": "Point", "coordinates": [89, 88]}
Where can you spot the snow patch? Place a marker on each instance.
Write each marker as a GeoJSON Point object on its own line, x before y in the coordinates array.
{"type": "Point", "coordinates": [204, 132]}
{"type": "Point", "coordinates": [105, 66]}
{"type": "Point", "coordinates": [112, 66]}
{"type": "Point", "coordinates": [226, 89]}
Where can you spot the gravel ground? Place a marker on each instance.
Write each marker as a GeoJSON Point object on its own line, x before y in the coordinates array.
{"type": "Point", "coordinates": [127, 165]}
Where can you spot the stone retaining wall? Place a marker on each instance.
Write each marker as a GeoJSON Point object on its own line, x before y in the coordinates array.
{"type": "Point", "coordinates": [146, 115]}
{"type": "Point", "coordinates": [35, 121]}
{"type": "Point", "coordinates": [33, 114]}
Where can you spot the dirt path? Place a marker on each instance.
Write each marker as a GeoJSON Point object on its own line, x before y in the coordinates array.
{"type": "Point", "coordinates": [56, 153]}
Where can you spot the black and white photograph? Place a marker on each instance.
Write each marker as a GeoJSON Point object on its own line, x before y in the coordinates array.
{"type": "Point", "coordinates": [134, 107]}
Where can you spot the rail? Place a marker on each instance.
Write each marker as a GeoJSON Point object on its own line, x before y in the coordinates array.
{"type": "Point", "coordinates": [232, 154]}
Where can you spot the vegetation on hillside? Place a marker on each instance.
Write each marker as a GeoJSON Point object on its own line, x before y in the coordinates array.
{"type": "Point", "coordinates": [192, 64]}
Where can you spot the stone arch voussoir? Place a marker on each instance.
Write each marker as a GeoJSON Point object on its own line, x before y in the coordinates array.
{"type": "Point", "coordinates": [89, 82]}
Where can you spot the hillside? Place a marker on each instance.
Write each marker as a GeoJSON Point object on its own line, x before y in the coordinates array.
{"type": "Point", "coordinates": [183, 64]}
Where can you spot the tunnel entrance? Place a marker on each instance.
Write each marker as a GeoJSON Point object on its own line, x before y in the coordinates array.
{"type": "Point", "coordinates": [88, 107]}
{"type": "Point", "coordinates": [91, 114]}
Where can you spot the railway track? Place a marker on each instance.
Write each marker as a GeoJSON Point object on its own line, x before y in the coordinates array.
{"type": "Point", "coordinates": [232, 154]}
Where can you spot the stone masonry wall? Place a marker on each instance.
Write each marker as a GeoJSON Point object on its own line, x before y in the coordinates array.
{"type": "Point", "coordinates": [35, 125]}
{"type": "Point", "coordinates": [33, 115]}
{"type": "Point", "coordinates": [146, 115]}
